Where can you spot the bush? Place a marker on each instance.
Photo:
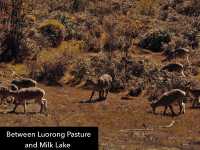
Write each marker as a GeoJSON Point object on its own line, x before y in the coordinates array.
{"type": "Point", "coordinates": [53, 30]}
{"type": "Point", "coordinates": [90, 69]}
{"type": "Point", "coordinates": [81, 71]}
{"type": "Point", "coordinates": [52, 63]}
{"type": "Point", "coordinates": [192, 39]}
{"type": "Point", "coordinates": [155, 41]}
{"type": "Point", "coordinates": [49, 72]}
{"type": "Point", "coordinates": [70, 23]}
{"type": "Point", "coordinates": [79, 5]}
{"type": "Point", "coordinates": [147, 7]}
{"type": "Point", "coordinates": [162, 81]}
{"type": "Point", "coordinates": [117, 85]}
{"type": "Point", "coordinates": [189, 8]}
{"type": "Point", "coordinates": [53, 72]}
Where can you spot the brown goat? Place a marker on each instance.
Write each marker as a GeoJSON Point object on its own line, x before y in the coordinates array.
{"type": "Point", "coordinates": [174, 67]}
{"type": "Point", "coordinates": [168, 98]}
{"type": "Point", "coordinates": [24, 83]}
{"type": "Point", "coordinates": [196, 94]}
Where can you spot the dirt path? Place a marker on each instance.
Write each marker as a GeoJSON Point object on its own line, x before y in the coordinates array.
{"type": "Point", "coordinates": [111, 117]}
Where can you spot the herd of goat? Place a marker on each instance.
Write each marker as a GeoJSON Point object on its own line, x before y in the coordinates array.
{"type": "Point", "coordinates": [167, 99]}
{"type": "Point", "coordinates": [21, 91]}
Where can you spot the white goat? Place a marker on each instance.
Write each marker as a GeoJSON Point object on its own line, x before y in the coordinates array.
{"type": "Point", "coordinates": [103, 86]}
{"type": "Point", "coordinates": [26, 94]}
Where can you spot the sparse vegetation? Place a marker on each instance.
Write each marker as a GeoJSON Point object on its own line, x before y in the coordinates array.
{"type": "Point", "coordinates": [147, 7]}
{"type": "Point", "coordinates": [52, 63]}
{"type": "Point", "coordinates": [74, 42]}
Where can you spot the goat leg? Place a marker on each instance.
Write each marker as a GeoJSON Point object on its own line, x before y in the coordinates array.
{"type": "Point", "coordinates": [180, 107]}
{"type": "Point", "coordinates": [1, 101]}
{"type": "Point", "coordinates": [164, 113]}
{"type": "Point", "coordinates": [92, 95]}
{"type": "Point", "coordinates": [171, 108]}
{"type": "Point", "coordinates": [45, 105]}
{"type": "Point", "coordinates": [100, 94]}
{"type": "Point", "coordinates": [183, 106]}
{"type": "Point", "coordinates": [41, 107]}
{"type": "Point", "coordinates": [106, 93]}
{"type": "Point", "coordinates": [25, 106]}
{"type": "Point", "coordinates": [194, 102]}
{"type": "Point", "coordinates": [103, 94]}
{"type": "Point", "coordinates": [14, 109]}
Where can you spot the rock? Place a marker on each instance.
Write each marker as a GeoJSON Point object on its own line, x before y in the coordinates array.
{"type": "Point", "coordinates": [135, 91]}
{"type": "Point", "coordinates": [117, 85]}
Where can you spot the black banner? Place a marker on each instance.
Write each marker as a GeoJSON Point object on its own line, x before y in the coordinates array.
{"type": "Point", "coordinates": [54, 138]}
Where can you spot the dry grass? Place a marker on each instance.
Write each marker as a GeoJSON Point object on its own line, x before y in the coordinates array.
{"type": "Point", "coordinates": [103, 26]}
{"type": "Point", "coordinates": [52, 22]}
{"type": "Point", "coordinates": [112, 116]}
{"type": "Point", "coordinates": [69, 48]}
{"type": "Point", "coordinates": [147, 7]}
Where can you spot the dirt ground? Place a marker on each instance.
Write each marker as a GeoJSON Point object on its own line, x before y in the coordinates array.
{"type": "Point", "coordinates": [123, 124]}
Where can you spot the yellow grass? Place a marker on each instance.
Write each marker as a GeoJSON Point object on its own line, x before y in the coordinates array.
{"type": "Point", "coordinates": [19, 69]}
{"type": "Point", "coordinates": [70, 48]}
{"type": "Point", "coordinates": [147, 7]}
{"type": "Point", "coordinates": [52, 22]}
{"type": "Point", "coordinates": [197, 77]}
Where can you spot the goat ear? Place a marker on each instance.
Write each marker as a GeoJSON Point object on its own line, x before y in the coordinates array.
{"type": "Point", "coordinates": [188, 84]}
{"type": "Point", "coordinates": [153, 101]}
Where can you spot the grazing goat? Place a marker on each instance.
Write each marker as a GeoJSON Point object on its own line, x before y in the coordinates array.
{"type": "Point", "coordinates": [10, 99]}
{"type": "Point", "coordinates": [174, 67]}
{"type": "Point", "coordinates": [26, 94]}
{"type": "Point", "coordinates": [103, 86]}
{"type": "Point", "coordinates": [168, 98]}
{"type": "Point", "coordinates": [13, 87]}
{"type": "Point", "coordinates": [196, 94]}
{"type": "Point", "coordinates": [4, 93]}
{"type": "Point", "coordinates": [179, 53]}
{"type": "Point", "coordinates": [24, 83]}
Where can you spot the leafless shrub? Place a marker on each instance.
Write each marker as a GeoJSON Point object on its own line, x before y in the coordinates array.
{"type": "Point", "coordinates": [161, 81]}
{"type": "Point", "coordinates": [189, 8]}
{"type": "Point", "coordinates": [48, 72]}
